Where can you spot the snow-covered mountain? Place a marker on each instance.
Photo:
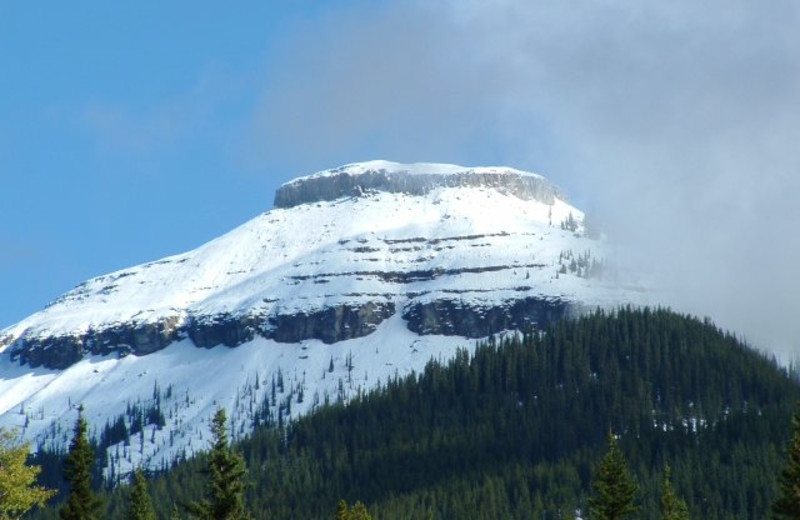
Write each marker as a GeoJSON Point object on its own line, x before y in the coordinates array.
{"type": "Point", "coordinates": [358, 274]}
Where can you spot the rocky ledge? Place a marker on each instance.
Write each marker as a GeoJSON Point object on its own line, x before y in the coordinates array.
{"type": "Point", "coordinates": [453, 317]}
{"type": "Point", "coordinates": [356, 180]}
{"type": "Point", "coordinates": [329, 325]}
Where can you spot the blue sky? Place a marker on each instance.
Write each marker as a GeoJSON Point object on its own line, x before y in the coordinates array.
{"type": "Point", "coordinates": [122, 131]}
{"type": "Point", "coordinates": [128, 133]}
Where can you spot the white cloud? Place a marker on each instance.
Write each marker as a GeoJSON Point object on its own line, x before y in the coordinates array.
{"type": "Point", "coordinates": [676, 120]}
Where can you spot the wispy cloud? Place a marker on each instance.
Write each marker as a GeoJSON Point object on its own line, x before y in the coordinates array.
{"type": "Point", "coordinates": [677, 120]}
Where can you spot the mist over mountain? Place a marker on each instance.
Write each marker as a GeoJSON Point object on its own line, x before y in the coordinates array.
{"type": "Point", "coordinates": [668, 123]}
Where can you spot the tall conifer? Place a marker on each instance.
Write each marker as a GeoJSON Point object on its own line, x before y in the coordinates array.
{"type": "Point", "coordinates": [226, 474]}
{"type": "Point", "coordinates": [82, 503]}
{"type": "Point", "coordinates": [787, 505]}
{"type": "Point", "coordinates": [139, 504]}
{"type": "Point", "coordinates": [613, 486]}
{"type": "Point", "coordinates": [672, 507]}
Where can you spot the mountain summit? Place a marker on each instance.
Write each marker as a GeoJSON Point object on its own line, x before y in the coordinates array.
{"type": "Point", "coordinates": [358, 274]}
{"type": "Point", "coordinates": [412, 179]}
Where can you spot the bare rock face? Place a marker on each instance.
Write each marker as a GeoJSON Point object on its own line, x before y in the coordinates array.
{"type": "Point", "coordinates": [452, 317]}
{"type": "Point", "coordinates": [448, 316]}
{"type": "Point", "coordinates": [329, 324]}
{"type": "Point", "coordinates": [344, 183]}
{"type": "Point", "coordinates": [59, 352]}
{"type": "Point", "coordinates": [223, 329]}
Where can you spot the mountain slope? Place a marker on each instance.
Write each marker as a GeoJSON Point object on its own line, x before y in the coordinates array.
{"type": "Point", "coordinates": [516, 429]}
{"type": "Point", "coordinates": [358, 274]}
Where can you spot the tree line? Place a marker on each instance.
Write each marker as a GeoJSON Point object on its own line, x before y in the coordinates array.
{"type": "Point", "coordinates": [516, 429]}
{"type": "Point", "coordinates": [613, 486]}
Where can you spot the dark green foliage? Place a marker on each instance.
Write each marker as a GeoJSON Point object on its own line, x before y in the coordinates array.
{"type": "Point", "coordinates": [514, 430]}
{"type": "Point", "coordinates": [787, 505]}
{"type": "Point", "coordinates": [82, 503]}
{"type": "Point", "coordinates": [613, 487]}
{"type": "Point", "coordinates": [139, 506]}
{"type": "Point", "coordinates": [226, 473]}
{"type": "Point", "coordinates": [672, 507]}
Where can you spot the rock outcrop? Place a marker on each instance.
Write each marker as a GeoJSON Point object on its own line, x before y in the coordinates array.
{"type": "Point", "coordinates": [329, 325]}
{"type": "Point", "coordinates": [453, 317]}
{"type": "Point", "coordinates": [59, 352]}
{"type": "Point", "coordinates": [344, 183]}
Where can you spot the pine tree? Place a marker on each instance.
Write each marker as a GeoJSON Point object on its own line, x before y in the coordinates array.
{"type": "Point", "coordinates": [672, 507]}
{"type": "Point", "coordinates": [139, 504]}
{"type": "Point", "coordinates": [82, 503]}
{"type": "Point", "coordinates": [226, 473]}
{"type": "Point", "coordinates": [18, 493]}
{"type": "Point", "coordinates": [787, 505]}
{"type": "Point", "coordinates": [613, 485]}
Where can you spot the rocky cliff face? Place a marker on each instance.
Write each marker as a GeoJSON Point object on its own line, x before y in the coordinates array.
{"type": "Point", "coordinates": [451, 317]}
{"type": "Point", "coordinates": [448, 317]}
{"type": "Point", "coordinates": [415, 180]}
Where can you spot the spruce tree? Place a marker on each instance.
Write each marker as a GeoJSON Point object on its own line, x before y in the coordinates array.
{"type": "Point", "coordinates": [672, 507]}
{"type": "Point", "coordinates": [139, 504]}
{"type": "Point", "coordinates": [18, 493]}
{"type": "Point", "coordinates": [613, 486]}
{"type": "Point", "coordinates": [226, 473]}
{"type": "Point", "coordinates": [82, 503]}
{"type": "Point", "coordinates": [787, 505]}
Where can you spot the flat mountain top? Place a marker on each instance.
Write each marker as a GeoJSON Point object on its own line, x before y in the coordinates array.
{"type": "Point", "coordinates": [412, 179]}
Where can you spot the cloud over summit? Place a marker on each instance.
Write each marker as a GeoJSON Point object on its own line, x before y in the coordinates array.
{"type": "Point", "coordinates": [675, 123]}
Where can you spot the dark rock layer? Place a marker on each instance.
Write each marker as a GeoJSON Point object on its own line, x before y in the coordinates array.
{"type": "Point", "coordinates": [329, 324]}
{"type": "Point", "coordinates": [452, 317]}
{"type": "Point", "coordinates": [59, 352]}
{"type": "Point", "coordinates": [223, 329]}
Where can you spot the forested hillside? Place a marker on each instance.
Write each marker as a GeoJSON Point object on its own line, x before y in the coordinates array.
{"type": "Point", "coordinates": [515, 430]}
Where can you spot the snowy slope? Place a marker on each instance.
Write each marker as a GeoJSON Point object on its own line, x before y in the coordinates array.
{"type": "Point", "coordinates": [478, 244]}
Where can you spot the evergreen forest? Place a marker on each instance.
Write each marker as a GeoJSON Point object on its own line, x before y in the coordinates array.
{"type": "Point", "coordinates": [517, 428]}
